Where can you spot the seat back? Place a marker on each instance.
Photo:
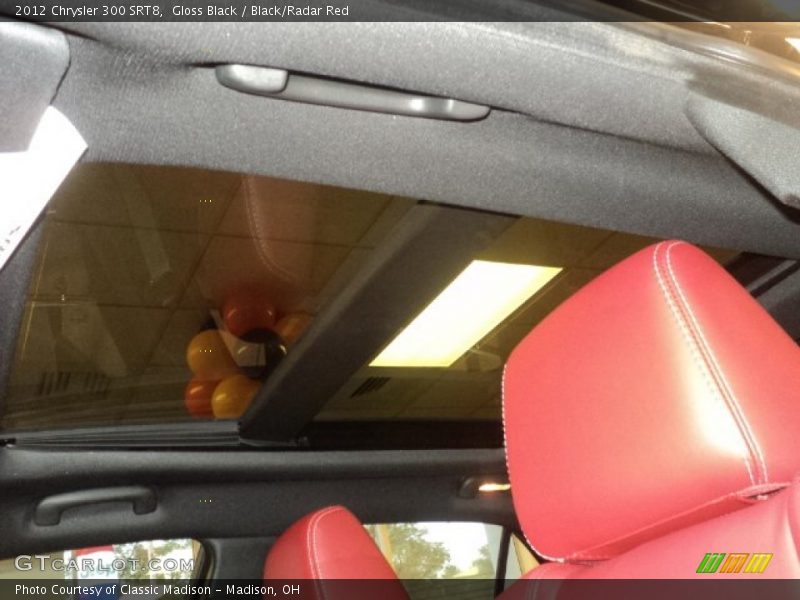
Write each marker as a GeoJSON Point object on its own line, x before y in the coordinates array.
{"type": "Point", "coordinates": [328, 546]}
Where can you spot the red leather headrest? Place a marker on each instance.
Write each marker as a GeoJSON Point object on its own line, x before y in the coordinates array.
{"type": "Point", "coordinates": [331, 544]}
{"type": "Point", "coordinates": [659, 395]}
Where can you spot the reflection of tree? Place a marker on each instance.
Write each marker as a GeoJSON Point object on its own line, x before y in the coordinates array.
{"type": "Point", "coordinates": [411, 555]}
{"type": "Point", "coordinates": [138, 554]}
{"type": "Point", "coordinates": [450, 571]}
{"type": "Point", "coordinates": [482, 566]}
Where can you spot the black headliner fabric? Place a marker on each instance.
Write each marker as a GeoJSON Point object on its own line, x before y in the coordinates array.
{"type": "Point", "coordinates": [133, 108]}
{"type": "Point", "coordinates": [573, 73]}
{"type": "Point", "coordinates": [766, 148]}
{"type": "Point", "coordinates": [33, 61]}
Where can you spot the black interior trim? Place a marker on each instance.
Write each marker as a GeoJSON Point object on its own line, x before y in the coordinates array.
{"type": "Point", "coordinates": [553, 149]}
{"type": "Point", "coordinates": [399, 435]}
{"type": "Point", "coordinates": [237, 558]}
{"type": "Point", "coordinates": [200, 434]}
{"type": "Point", "coordinates": [502, 562]}
{"type": "Point", "coordinates": [213, 494]}
{"type": "Point", "coordinates": [759, 273]}
{"type": "Point", "coordinates": [24, 469]}
{"type": "Point", "coordinates": [49, 510]}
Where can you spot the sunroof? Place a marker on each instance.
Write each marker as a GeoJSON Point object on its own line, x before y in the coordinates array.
{"type": "Point", "coordinates": [136, 262]}
{"type": "Point", "coordinates": [171, 295]}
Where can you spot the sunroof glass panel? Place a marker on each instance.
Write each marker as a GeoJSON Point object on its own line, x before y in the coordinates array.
{"type": "Point", "coordinates": [137, 261]}
{"type": "Point", "coordinates": [166, 295]}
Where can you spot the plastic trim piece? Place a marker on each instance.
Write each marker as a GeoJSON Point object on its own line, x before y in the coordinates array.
{"type": "Point", "coordinates": [174, 435]}
{"type": "Point", "coordinates": [277, 83]}
{"type": "Point", "coordinates": [49, 511]}
{"type": "Point", "coordinates": [252, 80]}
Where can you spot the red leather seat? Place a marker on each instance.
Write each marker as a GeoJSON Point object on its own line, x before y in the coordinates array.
{"type": "Point", "coordinates": [328, 545]}
{"type": "Point", "coordinates": [652, 418]}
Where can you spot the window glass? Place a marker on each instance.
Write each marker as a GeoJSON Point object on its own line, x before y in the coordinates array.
{"type": "Point", "coordinates": [439, 550]}
{"type": "Point", "coordinates": [169, 294]}
{"type": "Point", "coordinates": [424, 552]}
{"type": "Point", "coordinates": [150, 560]}
{"type": "Point", "coordinates": [442, 559]}
{"type": "Point", "coordinates": [157, 287]}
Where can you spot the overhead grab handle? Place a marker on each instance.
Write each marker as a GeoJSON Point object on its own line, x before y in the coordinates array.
{"type": "Point", "coordinates": [277, 83]}
{"type": "Point", "coordinates": [49, 510]}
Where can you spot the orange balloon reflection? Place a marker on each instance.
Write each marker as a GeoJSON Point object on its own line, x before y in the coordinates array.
{"type": "Point", "coordinates": [197, 397]}
{"type": "Point", "coordinates": [208, 357]}
{"type": "Point", "coordinates": [232, 396]}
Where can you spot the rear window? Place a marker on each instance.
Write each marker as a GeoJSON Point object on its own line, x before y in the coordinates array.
{"type": "Point", "coordinates": [439, 550]}
{"type": "Point", "coordinates": [452, 559]}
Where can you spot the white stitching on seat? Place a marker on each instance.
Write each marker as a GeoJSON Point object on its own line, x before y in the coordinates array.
{"type": "Point", "coordinates": [311, 543]}
{"type": "Point", "coordinates": [695, 352]}
{"type": "Point", "coordinates": [701, 364]}
{"type": "Point", "coordinates": [505, 454]}
{"type": "Point", "coordinates": [741, 416]}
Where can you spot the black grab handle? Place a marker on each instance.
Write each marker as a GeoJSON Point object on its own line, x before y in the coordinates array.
{"type": "Point", "coordinates": [49, 510]}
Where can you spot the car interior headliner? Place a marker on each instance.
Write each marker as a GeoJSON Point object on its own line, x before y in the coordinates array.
{"type": "Point", "coordinates": [616, 125]}
{"type": "Point", "coordinates": [592, 123]}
